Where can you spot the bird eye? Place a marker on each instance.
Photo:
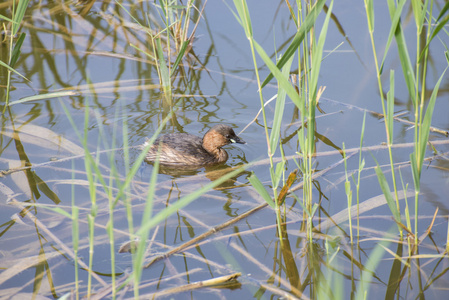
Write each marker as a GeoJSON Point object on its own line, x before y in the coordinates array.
{"type": "Point", "coordinates": [228, 136]}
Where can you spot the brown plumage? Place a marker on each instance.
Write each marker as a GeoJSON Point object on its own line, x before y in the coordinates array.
{"type": "Point", "coordinates": [183, 149]}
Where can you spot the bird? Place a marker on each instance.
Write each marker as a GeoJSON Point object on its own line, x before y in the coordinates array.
{"type": "Point", "coordinates": [188, 150]}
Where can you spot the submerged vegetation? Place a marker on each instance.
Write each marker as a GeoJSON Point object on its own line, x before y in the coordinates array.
{"type": "Point", "coordinates": [89, 204]}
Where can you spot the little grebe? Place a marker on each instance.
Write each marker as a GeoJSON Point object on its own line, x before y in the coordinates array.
{"type": "Point", "coordinates": [183, 149]}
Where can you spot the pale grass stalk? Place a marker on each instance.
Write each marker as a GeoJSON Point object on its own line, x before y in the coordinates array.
{"type": "Point", "coordinates": [370, 19]}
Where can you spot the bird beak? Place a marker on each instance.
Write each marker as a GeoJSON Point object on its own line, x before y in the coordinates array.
{"type": "Point", "coordinates": [237, 140]}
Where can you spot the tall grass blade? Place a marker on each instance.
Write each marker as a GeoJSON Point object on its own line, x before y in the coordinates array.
{"type": "Point", "coordinates": [348, 191]}
{"type": "Point", "coordinates": [404, 57]}
{"type": "Point", "coordinates": [164, 10]}
{"type": "Point", "coordinates": [359, 172]}
{"type": "Point", "coordinates": [12, 70]}
{"type": "Point", "coordinates": [419, 12]}
{"type": "Point", "coordinates": [308, 23]}
{"type": "Point", "coordinates": [180, 56]}
{"type": "Point", "coordinates": [425, 127]}
{"type": "Point", "coordinates": [282, 81]}
{"type": "Point", "coordinates": [279, 109]}
{"type": "Point", "coordinates": [165, 78]}
{"type": "Point", "coordinates": [144, 52]}
{"type": "Point", "coordinates": [437, 29]}
{"type": "Point", "coordinates": [244, 18]}
{"type": "Point", "coordinates": [395, 22]}
{"type": "Point", "coordinates": [143, 236]}
{"type": "Point", "coordinates": [316, 59]}
{"type": "Point", "coordinates": [370, 14]}
{"type": "Point", "coordinates": [16, 51]}
{"type": "Point", "coordinates": [7, 19]}
{"type": "Point", "coordinates": [75, 242]}
{"type": "Point", "coordinates": [276, 177]}
{"type": "Point", "coordinates": [75, 230]}
{"type": "Point", "coordinates": [443, 11]}
{"type": "Point", "coordinates": [257, 184]}
{"type": "Point", "coordinates": [390, 109]}
{"type": "Point", "coordinates": [388, 197]}
{"type": "Point", "coordinates": [18, 16]}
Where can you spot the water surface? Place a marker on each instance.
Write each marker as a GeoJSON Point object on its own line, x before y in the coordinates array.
{"type": "Point", "coordinates": [88, 52]}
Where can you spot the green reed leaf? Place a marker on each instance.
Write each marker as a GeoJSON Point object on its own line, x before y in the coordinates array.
{"type": "Point", "coordinates": [164, 12]}
{"type": "Point", "coordinates": [12, 70]}
{"type": "Point", "coordinates": [280, 167]}
{"type": "Point", "coordinates": [419, 12]}
{"type": "Point", "coordinates": [348, 192]}
{"type": "Point", "coordinates": [180, 56]}
{"type": "Point", "coordinates": [443, 11]}
{"type": "Point", "coordinates": [395, 22]}
{"type": "Point", "coordinates": [16, 51]}
{"type": "Point", "coordinates": [75, 227]}
{"type": "Point", "coordinates": [437, 29]}
{"type": "Point", "coordinates": [165, 78]}
{"type": "Point", "coordinates": [409, 74]}
{"type": "Point", "coordinates": [404, 57]}
{"type": "Point", "coordinates": [425, 127]}
{"type": "Point", "coordinates": [255, 182]}
{"type": "Point", "coordinates": [144, 52]}
{"type": "Point", "coordinates": [243, 17]}
{"type": "Point", "coordinates": [6, 19]}
{"type": "Point", "coordinates": [390, 109]}
{"type": "Point", "coordinates": [301, 138]}
{"type": "Point", "coordinates": [415, 172]}
{"type": "Point", "coordinates": [308, 23]}
{"type": "Point", "coordinates": [282, 81]}
{"type": "Point", "coordinates": [316, 60]}
{"type": "Point", "coordinates": [310, 213]}
{"type": "Point", "coordinates": [387, 194]}
{"type": "Point", "coordinates": [279, 109]}
{"type": "Point", "coordinates": [147, 214]}
{"type": "Point", "coordinates": [18, 16]}
{"type": "Point", "coordinates": [370, 14]}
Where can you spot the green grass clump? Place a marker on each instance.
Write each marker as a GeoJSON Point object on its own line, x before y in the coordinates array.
{"type": "Point", "coordinates": [117, 189]}
{"type": "Point", "coordinates": [18, 12]}
{"type": "Point", "coordinates": [169, 39]}
{"type": "Point", "coordinates": [415, 75]}
{"type": "Point", "coordinates": [304, 93]}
